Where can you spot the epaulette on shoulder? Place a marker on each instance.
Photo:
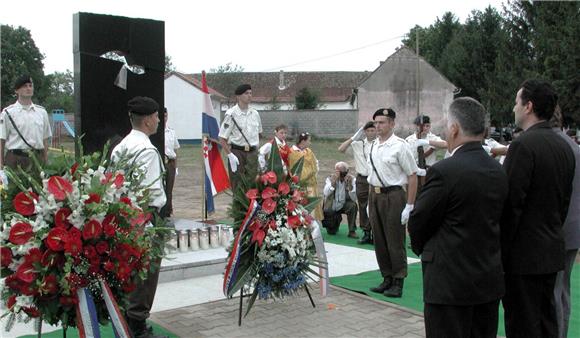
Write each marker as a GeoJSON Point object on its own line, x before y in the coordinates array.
{"type": "Point", "coordinates": [39, 106]}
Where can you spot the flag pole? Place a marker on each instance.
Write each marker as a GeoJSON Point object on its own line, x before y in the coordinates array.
{"type": "Point", "coordinates": [203, 187]}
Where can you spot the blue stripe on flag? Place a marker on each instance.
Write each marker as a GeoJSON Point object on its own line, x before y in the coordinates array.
{"type": "Point", "coordinates": [208, 195]}
{"type": "Point", "coordinates": [209, 126]}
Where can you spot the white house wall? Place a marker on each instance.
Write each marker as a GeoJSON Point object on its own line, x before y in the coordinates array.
{"type": "Point", "coordinates": [184, 103]}
{"type": "Point", "coordinates": [290, 106]}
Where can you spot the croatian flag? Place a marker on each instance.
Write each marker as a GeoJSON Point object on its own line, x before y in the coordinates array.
{"type": "Point", "coordinates": [216, 176]}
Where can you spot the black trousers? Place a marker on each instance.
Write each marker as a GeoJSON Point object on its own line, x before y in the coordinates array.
{"type": "Point", "coordinates": [529, 306]}
{"type": "Point", "coordinates": [141, 299]}
{"type": "Point", "coordinates": [452, 321]}
{"type": "Point", "coordinates": [171, 167]}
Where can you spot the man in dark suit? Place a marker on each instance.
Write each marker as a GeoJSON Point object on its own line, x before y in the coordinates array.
{"type": "Point", "coordinates": [455, 229]}
{"type": "Point", "coordinates": [540, 168]}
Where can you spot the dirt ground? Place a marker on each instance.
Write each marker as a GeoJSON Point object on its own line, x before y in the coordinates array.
{"type": "Point", "coordinates": [187, 193]}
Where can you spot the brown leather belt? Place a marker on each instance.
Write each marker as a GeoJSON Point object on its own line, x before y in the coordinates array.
{"type": "Point", "coordinates": [384, 190]}
{"type": "Point", "coordinates": [245, 148]}
{"type": "Point", "coordinates": [24, 153]}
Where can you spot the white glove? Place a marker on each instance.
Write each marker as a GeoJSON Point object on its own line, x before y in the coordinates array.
{"type": "Point", "coordinates": [406, 212]}
{"type": "Point", "coordinates": [233, 162]}
{"type": "Point", "coordinates": [421, 142]}
{"type": "Point", "coordinates": [421, 172]}
{"type": "Point", "coordinates": [262, 161]}
{"type": "Point", "coordinates": [358, 135]}
{"type": "Point", "coordinates": [3, 178]}
{"type": "Point", "coordinates": [487, 149]}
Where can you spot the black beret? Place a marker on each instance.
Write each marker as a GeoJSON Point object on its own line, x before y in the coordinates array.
{"type": "Point", "coordinates": [242, 89]}
{"type": "Point", "coordinates": [368, 125]}
{"type": "Point", "coordinates": [388, 112]}
{"type": "Point", "coordinates": [142, 105]}
{"type": "Point", "coordinates": [22, 80]}
{"type": "Point", "coordinates": [422, 119]}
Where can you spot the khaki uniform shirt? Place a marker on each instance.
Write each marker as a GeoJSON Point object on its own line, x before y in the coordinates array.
{"type": "Point", "coordinates": [248, 121]}
{"type": "Point", "coordinates": [149, 161]}
{"type": "Point", "coordinates": [33, 123]}
{"type": "Point", "coordinates": [393, 160]}
{"type": "Point", "coordinates": [432, 158]}
{"type": "Point", "coordinates": [361, 150]}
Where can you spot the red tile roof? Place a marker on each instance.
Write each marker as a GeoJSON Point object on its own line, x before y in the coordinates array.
{"type": "Point", "coordinates": [195, 82]}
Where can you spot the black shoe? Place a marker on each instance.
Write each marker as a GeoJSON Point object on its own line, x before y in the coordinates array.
{"type": "Point", "coordinates": [366, 239]}
{"type": "Point", "coordinates": [387, 282]}
{"type": "Point", "coordinates": [352, 234]}
{"type": "Point", "coordinates": [396, 290]}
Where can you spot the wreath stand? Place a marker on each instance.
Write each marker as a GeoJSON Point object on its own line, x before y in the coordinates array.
{"type": "Point", "coordinates": [242, 303]}
{"type": "Point", "coordinates": [39, 328]}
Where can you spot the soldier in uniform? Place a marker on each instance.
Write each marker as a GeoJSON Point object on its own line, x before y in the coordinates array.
{"type": "Point", "coordinates": [240, 136]}
{"type": "Point", "coordinates": [391, 167]}
{"type": "Point", "coordinates": [171, 146]}
{"type": "Point", "coordinates": [24, 129]}
{"type": "Point", "coordinates": [360, 143]}
{"type": "Point", "coordinates": [143, 112]}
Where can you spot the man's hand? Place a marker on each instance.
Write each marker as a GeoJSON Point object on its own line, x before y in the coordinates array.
{"type": "Point", "coordinates": [421, 172]}
{"type": "Point", "coordinates": [421, 142]}
{"type": "Point", "coordinates": [3, 178]}
{"type": "Point", "coordinates": [334, 177]}
{"type": "Point", "coordinates": [234, 162]}
{"type": "Point", "coordinates": [358, 135]}
{"type": "Point", "coordinates": [262, 161]}
{"type": "Point", "coordinates": [406, 212]}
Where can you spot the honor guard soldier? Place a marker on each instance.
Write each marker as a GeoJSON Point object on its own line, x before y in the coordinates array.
{"type": "Point", "coordinates": [24, 129]}
{"type": "Point", "coordinates": [240, 136]}
{"type": "Point", "coordinates": [391, 167]}
{"type": "Point", "coordinates": [143, 112]}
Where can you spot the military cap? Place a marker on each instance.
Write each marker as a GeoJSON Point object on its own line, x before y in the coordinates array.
{"type": "Point", "coordinates": [242, 89]}
{"type": "Point", "coordinates": [368, 125]}
{"type": "Point", "coordinates": [142, 105]}
{"type": "Point", "coordinates": [21, 81]}
{"type": "Point", "coordinates": [388, 112]}
{"type": "Point", "coordinates": [422, 119]}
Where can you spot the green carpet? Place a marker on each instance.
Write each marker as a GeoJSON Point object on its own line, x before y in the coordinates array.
{"type": "Point", "coordinates": [106, 332]}
{"type": "Point", "coordinates": [413, 293]}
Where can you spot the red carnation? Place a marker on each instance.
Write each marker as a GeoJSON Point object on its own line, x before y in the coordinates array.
{"type": "Point", "coordinates": [26, 272]}
{"type": "Point", "coordinates": [269, 177]}
{"type": "Point", "coordinates": [109, 266]}
{"type": "Point", "coordinates": [33, 255]}
{"type": "Point", "coordinates": [28, 289]}
{"type": "Point", "coordinates": [12, 282]}
{"type": "Point", "coordinates": [109, 230]}
{"type": "Point", "coordinates": [73, 246]}
{"type": "Point", "coordinates": [59, 187]}
{"type": "Point", "coordinates": [269, 205]}
{"type": "Point", "coordinates": [92, 229]}
{"type": "Point", "coordinates": [61, 218]}
{"type": "Point", "coordinates": [20, 233]}
{"type": "Point", "coordinates": [295, 179]}
{"type": "Point", "coordinates": [93, 198]}
{"type": "Point", "coordinates": [49, 284]}
{"type": "Point", "coordinates": [102, 247]}
{"type": "Point", "coordinates": [5, 256]}
{"type": "Point", "coordinates": [258, 236]}
{"type": "Point", "coordinates": [272, 224]}
{"type": "Point", "coordinates": [75, 233]}
{"type": "Point", "coordinates": [283, 188]}
{"type": "Point", "coordinates": [269, 193]}
{"type": "Point", "coordinates": [291, 206]}
{"type": "Point", "coordinates": [51, 258]}
{"type": "Point", "coordinates": [140, 219]}
{"type": "Point", "coordinates": [68, 300]}
{"type": "Point", "coordinates": [124, 271]}
{"type": "Point", "coordinates": [56, 238]}
{"type": "Point", "coordinates": [24, 203]}
{"type": "Point", "coordinates": [252, 194]}
{"type": "Point", "coordinates": [294, 221]}
{"type": "Point", "coordinates": [89, 251]}
{"type": "Point", "coordinates": [119, 180]}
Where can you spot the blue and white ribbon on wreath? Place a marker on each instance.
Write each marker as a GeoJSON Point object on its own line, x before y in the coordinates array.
{"type": "Point", "coordinates": [321, 254]}
{"type": "Point", "coordinates": [233, 263]}
{"type": "Point", "coordinates": [87, 320]}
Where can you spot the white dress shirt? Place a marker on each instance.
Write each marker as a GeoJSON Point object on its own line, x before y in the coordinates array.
{"type": "Point", "coordinates": [393, 160]}
{"type": "Point", "coordinates": [148, 160]}
{"type": "Point", "coordinates": [361, 150]}
{"type": "Point", "coordinates": [250, 123]}
{"type": "Point", "coordinates": [33, 123]}
{"type": "Point", "coordinates": [432, 158]}
{"type": "Point", "coordinates": [171, 143]}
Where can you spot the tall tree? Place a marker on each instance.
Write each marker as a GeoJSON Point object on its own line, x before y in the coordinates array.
{"type": "Point", "coordinates": [227, 68]}
{"type": "Point", "coordinates": [60, 91]}
{"type": "Point", "coordinates": [19, 55]}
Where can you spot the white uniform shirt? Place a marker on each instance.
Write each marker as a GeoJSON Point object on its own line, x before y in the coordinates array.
{"type": "Point", "coordinates": [149, 161]}
{"type": "Point", "coordinates": [171, 143]}
{"type": "Point", "coordinates": [393, 160]}
{"type": "Point", "coordinates": [340, 194]}
{"type": "Point", "coordinates": [267, 147]}
{"type": "Point", "coordinates": [361, 151]}
{"type": "Point", "coordinates": [248, 121]}
{"type": "Point", "coordinates": [432, 158]}
{"type": "Point", "coordinates": [33, 123]}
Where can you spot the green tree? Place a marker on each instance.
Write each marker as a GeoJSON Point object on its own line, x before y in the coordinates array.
{"type": "Point", "coordinates": [227, 68]}
{"type": "Point", "coordinates": [19, 55]}
{"type": "Point", "coordinates": [307, 99]}
{"type": "Point", "coordinates": [169, 67]}
{"type": "Point", "coordinates": [60, 92]}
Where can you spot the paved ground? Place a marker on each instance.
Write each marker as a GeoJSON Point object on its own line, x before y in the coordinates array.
{"type": "Point", "coordinates": [341, 314]}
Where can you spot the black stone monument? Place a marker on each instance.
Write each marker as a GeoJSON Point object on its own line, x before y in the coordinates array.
{"type": "Point", "coordinates": [100, 105]}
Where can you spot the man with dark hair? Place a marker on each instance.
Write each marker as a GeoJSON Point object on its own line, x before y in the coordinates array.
{"type": "Point", "coordinates": [339, 195]}
{"type": "Point", "coordinates": [24, 129]}
{"type": "Point", "coordinates": [391, 168]}
{"type": "Point", "coordinates": [425, 142]}
{"type": "Point", "coordinates": [454, 227]}
{"type": "Point", "coordinates": [240, 136]}
{"type": "Point", "coordinates": [143, 113]}
{"type": "Point", "coordinates": [360, 143]}
{"type": "Point", "coordinates": [540, 168]}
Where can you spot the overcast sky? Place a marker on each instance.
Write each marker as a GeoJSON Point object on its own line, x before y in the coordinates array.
{"type": "Point", "coordinates": [258, 35]}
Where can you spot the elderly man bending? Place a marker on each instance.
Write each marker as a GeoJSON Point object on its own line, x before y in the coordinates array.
{"type": "Point", "coordinates": [339, 198]}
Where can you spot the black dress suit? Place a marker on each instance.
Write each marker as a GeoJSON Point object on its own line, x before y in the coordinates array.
{"type": "Point", "coordinates": [540, 168]}
{"type": "Point", "coordinates": [455, 228]}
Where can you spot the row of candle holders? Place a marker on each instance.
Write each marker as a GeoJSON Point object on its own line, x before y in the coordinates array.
{"type": "Point", "coordinates": [200, 239]}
